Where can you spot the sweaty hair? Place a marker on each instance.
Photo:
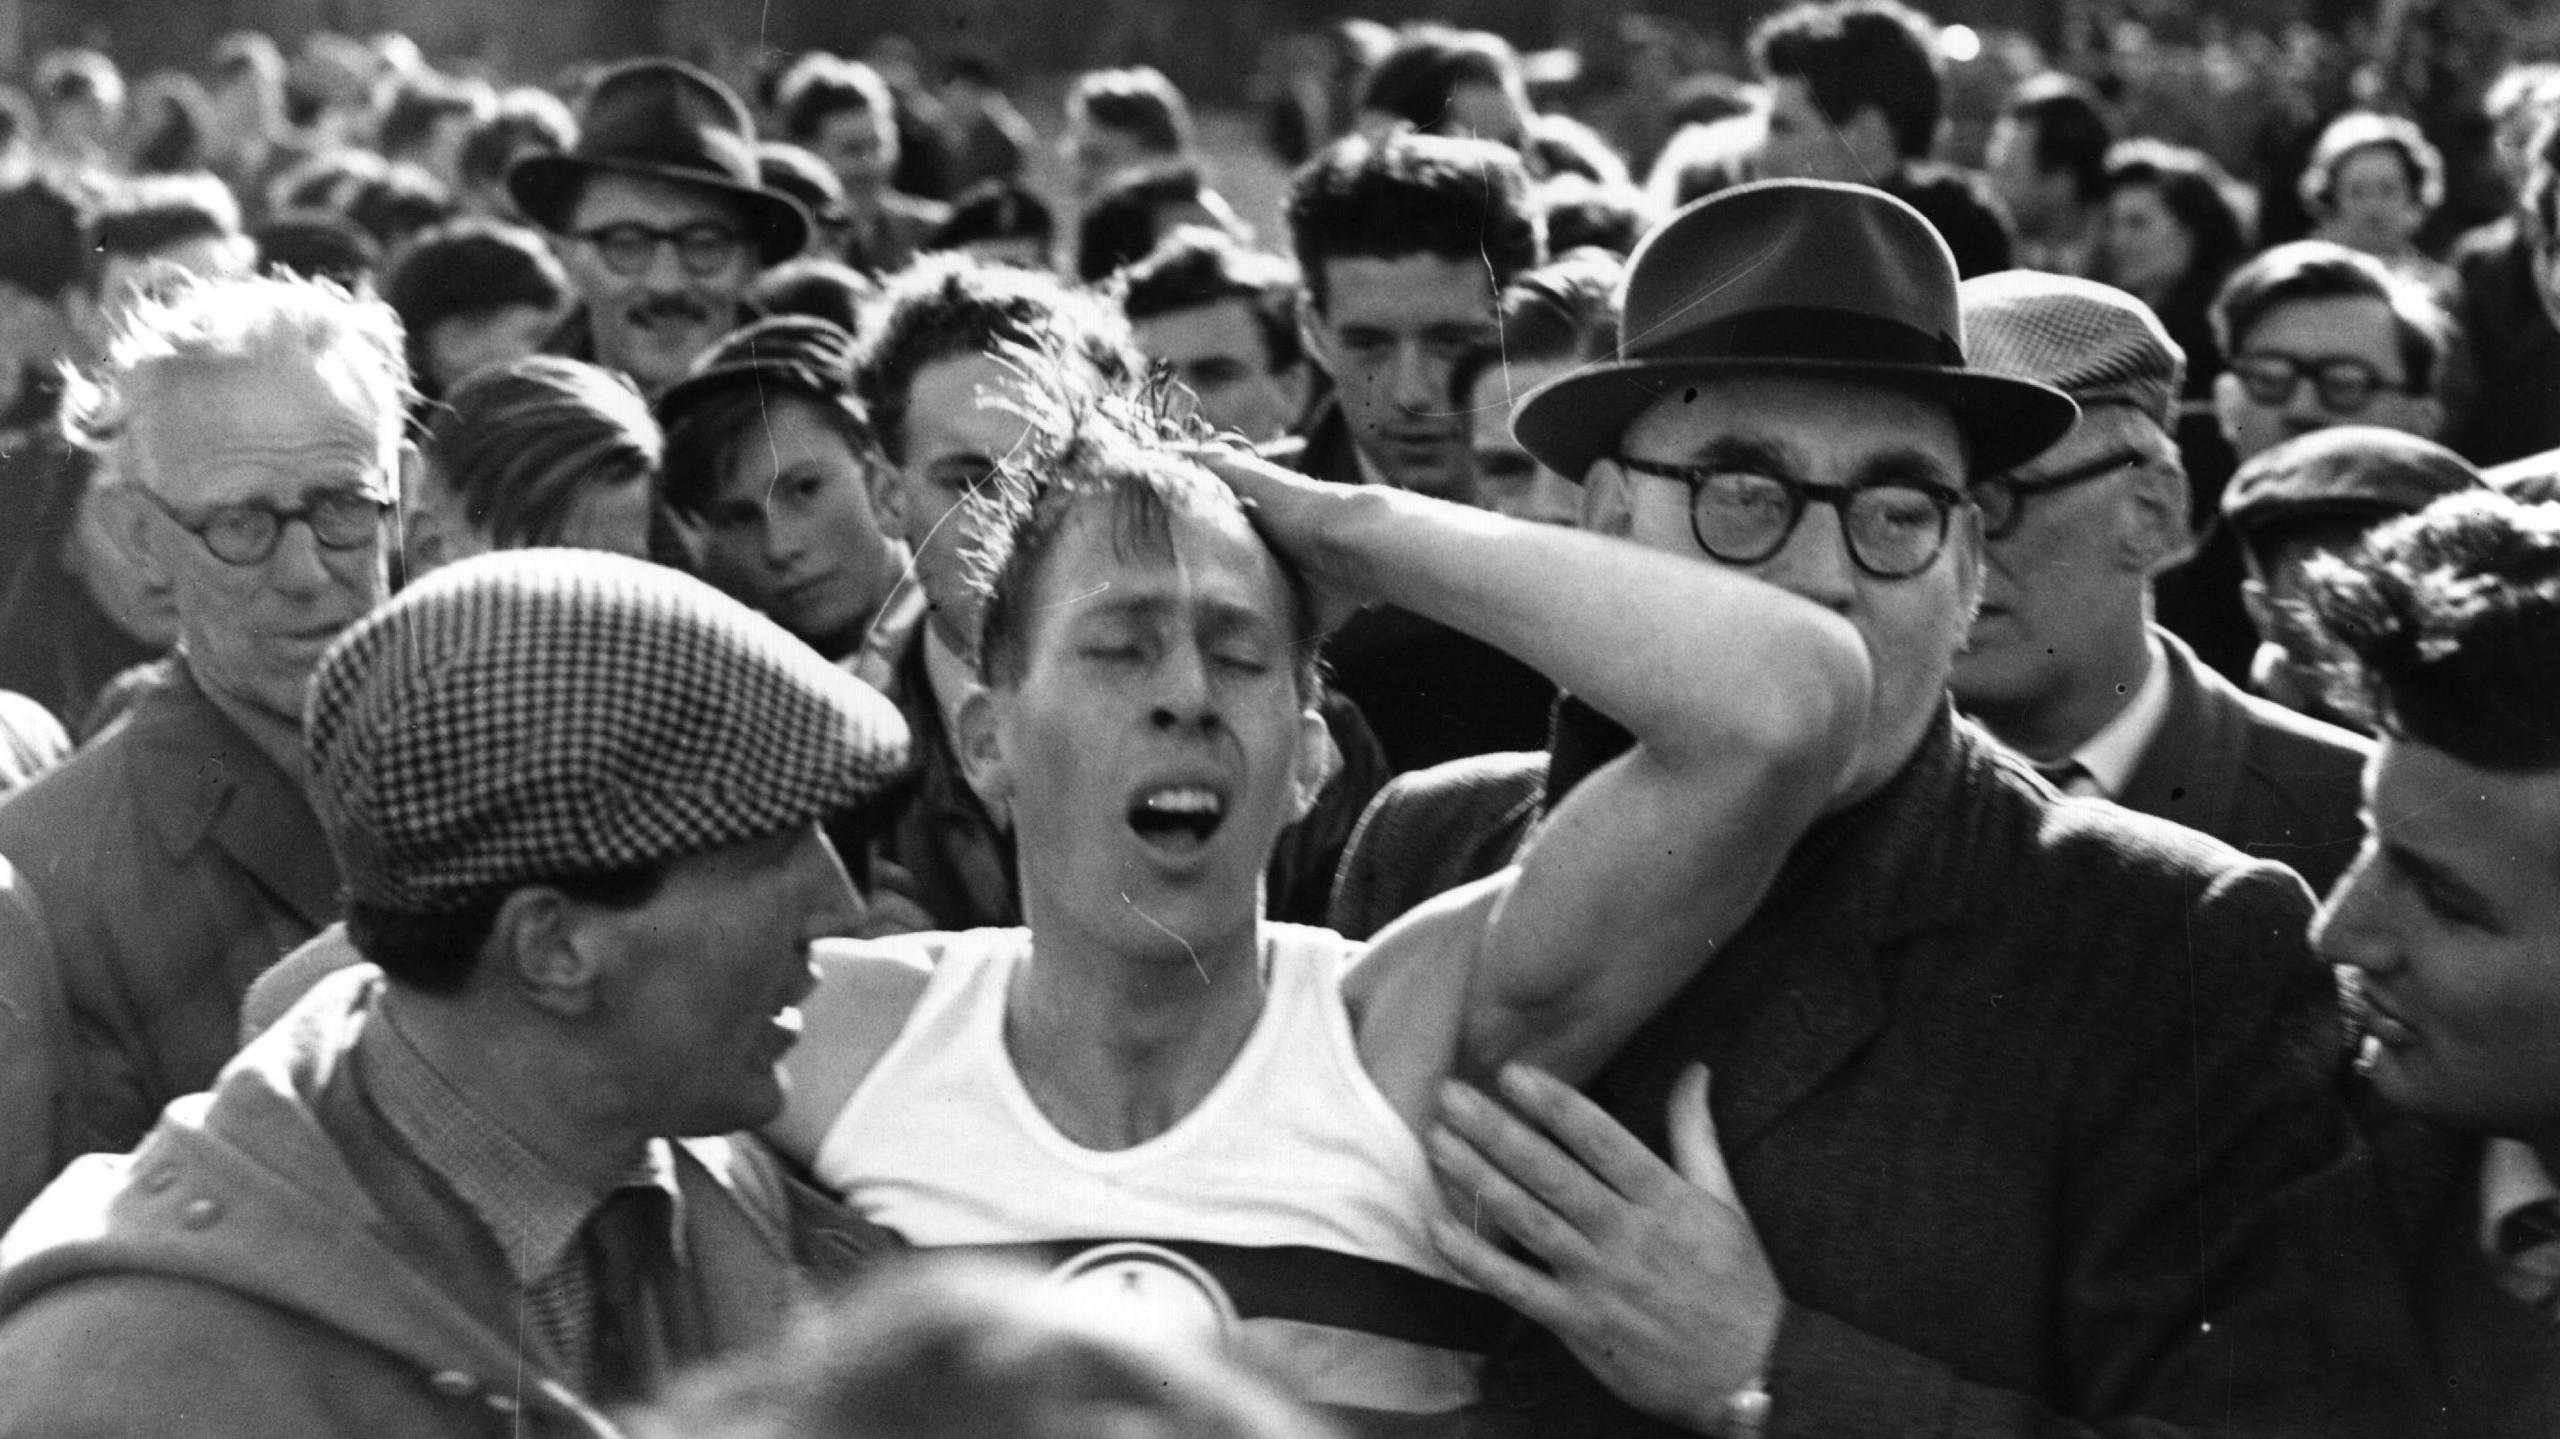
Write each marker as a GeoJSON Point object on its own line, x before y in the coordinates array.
{"type": "Point", "coordinates": [1413, 194]}
{"type": "Point", "coordinates": [950, 304]}
{"type": "Point", "coordinates": [1138, 101]}
{"type": "Point", "coordinates": [1196, 267]}
{"type": "Point", "coordinates": [1093, 444]}
{"type": "Point", "coordinates": [2071, 129]}
{"type": "Point", "coordinates": [519, 444]}
{"type": "Point", "coordinates": [959, 1349]}
{"type": "Point", "coordinates": [2364, 130]}
{"type": "Point", "coordinates": [2448, 620]}
{"type": "Point", "coordinates": [2321, 270]}
{"type": "Point", "coordinates": [1857, 54]}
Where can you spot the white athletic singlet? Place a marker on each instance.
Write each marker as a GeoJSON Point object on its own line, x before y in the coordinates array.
{"type": "Point", "coordinates": [1289, 1203]}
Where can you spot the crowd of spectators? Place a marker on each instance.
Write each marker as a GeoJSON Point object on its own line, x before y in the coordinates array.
{"type": "Point", "coordinates": [694, 755]}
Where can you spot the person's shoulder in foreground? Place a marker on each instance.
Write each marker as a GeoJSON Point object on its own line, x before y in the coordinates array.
{"type": "Point", "coordinates": [494, 1175]}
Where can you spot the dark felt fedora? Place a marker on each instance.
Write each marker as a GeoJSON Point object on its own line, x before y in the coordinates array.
{"type": "Point", "coordinates": [1791, 277]}
{"type": "Point", "coordinates": [668, 119]}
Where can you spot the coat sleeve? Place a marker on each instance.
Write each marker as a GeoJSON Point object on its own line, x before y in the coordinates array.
{"type": "Point", "coordinates": [2188, 1299]}
{"type": "Point", "coordinates": [36, 1096]}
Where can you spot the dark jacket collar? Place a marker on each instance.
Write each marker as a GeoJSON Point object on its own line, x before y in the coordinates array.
{"type": "Point", "coordinates": [209, 783]}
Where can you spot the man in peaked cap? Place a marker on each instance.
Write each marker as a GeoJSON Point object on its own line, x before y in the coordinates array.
{"type": "Point", "coordinates": [664, 218]}
{"type": "Point", "coordinates": [2064, 663]}
{"type": "Point", "coordinates": [2002, 1084]}
{"type": "Point", "coordinates": [482, 1181]}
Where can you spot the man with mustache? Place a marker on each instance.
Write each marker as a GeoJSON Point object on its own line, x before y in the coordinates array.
{"type": "Point", "coordinates": [661, 217]}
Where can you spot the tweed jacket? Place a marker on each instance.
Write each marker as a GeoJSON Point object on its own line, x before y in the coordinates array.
{"type": "Point", "coordinates": [274, 1261]}
{"type": "Point", "coordinates": [2008, 1087]}
{"type": "Point", "coordinates": [172, 861]}
{"type": "Point", "coordinates": [2257, 776]}
{"type": "Point", "coordinates": [35, 1051]}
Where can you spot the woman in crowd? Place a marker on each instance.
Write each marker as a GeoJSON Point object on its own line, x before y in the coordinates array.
{"type": "Point", "coordinates": [2372, 182]}
{"type": "Point", "coordinates": [2173, 232]}
{"type": "Point", "coordinates": [541, 451]}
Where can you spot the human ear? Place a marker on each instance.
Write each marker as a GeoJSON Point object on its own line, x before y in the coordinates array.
{"type": "Point", "coordinates": [982, 758]}
{"type": "Point", "coordinates": [2155, 509]}
{"type": "Point", "coordinates": [2260, 606]}
{"type": "Point", "coordinates": [1318, 759]}
{"type": "Point", "coordinates": [1312, 335]}
{"type": "Point", "coordinates": [536, 941]}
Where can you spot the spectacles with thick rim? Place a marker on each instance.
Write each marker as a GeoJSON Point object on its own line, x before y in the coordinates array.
{"type": "Point", "coordinates": [2003, 498]}
{"type": "Point", "coordinates": [1893, 531]}
{"type": "Point", "coordinates": [247, 533]}
{"type": "Point", "coordinates": [2344, 384]}
{"type": "Point", "coordinates": [629, 248]}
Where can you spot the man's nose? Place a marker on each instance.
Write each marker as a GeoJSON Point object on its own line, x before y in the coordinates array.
{"type": "Point", "coordinates": [2348, 928]}
{"type": "Point", "coordinates": [1814, 562]}
{"type": "Point", "coordinates": [1421, 382]}
{"type": "Point", "coordinates": [1182, 690]}
{"type": "Point", "coordinates": [297, 566]}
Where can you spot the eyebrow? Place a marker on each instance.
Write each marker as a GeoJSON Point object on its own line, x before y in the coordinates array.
{"type": "Point", "coordinates": [2433, 873]}
{"type": "Point", "coordinates": [1745, 452]}
{"type": "Point", "coordinates": [1904, 467]}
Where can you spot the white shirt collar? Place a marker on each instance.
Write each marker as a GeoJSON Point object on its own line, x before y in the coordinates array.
{"type": "Point", "coordinates": [2511, 1177]}
{"type": "Point", "coordinates": [2115, 751]}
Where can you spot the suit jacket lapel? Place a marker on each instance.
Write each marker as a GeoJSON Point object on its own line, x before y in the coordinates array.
{"type": "Point", "coordinates": [225, 790]}
{"type": "Point", "coordinates": [2189, 771]}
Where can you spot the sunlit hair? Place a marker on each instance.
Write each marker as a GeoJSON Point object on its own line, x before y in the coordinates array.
{"type": "Point", "coordinates": [194, 328]}
{"type": "Point", "coordinates": [519, 445]}
{"type": "Point", "coordinates": [1092, 441]}
{"type": "Point", "coordinates": [2445, 623]}
{"type": "Point", "coordinates": [947, 1348]}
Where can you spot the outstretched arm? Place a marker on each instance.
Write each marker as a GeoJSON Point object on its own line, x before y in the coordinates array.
{"type": "Point", "coordinates": [1746, 703]}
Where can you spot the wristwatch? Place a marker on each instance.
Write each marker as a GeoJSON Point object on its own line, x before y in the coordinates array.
{"type": "Point", "coordinates": [1746, 1412]}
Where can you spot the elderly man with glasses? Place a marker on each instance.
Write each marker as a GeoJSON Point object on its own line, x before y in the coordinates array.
{"type": "Point", "coordinates": [257, 432]}
{"type": "Point", "coordinates": [662, 217]}
{"type": "Point", "coordinates": [2064, 663]}
{"type": "Point", "coordinates": [2004, 1086]}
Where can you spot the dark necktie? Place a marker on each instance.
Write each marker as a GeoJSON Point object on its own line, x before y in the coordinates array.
{"type": "Point", "coordinates": [2529, 1255]}
{"type": "Point", "coordinates": [629, 1244]}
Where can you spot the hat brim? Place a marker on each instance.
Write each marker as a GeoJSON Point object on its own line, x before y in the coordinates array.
{"type": "Point", "coordinates": [1577, 419]}
{"type": "Point", "coordinates": [545, 187]}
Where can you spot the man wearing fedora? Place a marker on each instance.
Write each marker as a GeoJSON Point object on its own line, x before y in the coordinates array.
{"type": "Point", "coordinates": [491, 1182]}
{"type": "Point", "coordinates": [2064, 663]}
{"type": "Point", "coordinates": [2002, 1085]}
{"type": "Point", "coordinates": [661, 217]}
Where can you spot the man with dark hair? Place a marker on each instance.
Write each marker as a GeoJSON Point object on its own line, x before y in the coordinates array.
{"type": "Point", "coordinates": [256, 429]}
{"type": "Point", "coordinates": [2311, 497]}
{"type": "Point", "coordinates": [1121, 120]}
{"type": "Point", "coordinates": [2316, 334]}
{"type": "Point", "coordinates": [845, 114]}
{"type": "Point", "coordinates": [1405, 244]}
{"type": "Point", "coordinates": [1222, 319]}
{"type": "Point", "coordinates": [2003, 1085]}
{"type": "Point", "coordinates": [1853, 96]}
{"type": "Point", "coordinates": [1130, 214]}
{"type": "Point", "coordinates": [574, 799]}
{"type": "Point", "coordinates": [2510, 311]}
{"type": "Point", "coordinates": [662, 217]}
{"type": "Point", "coordinates": [2047, 161]}
{"type": "Point", "coordinates": [2448, 924]}
{"type": "Point", "coordinates": [2064, 663]}
{"type": "Point", "coordinates": [941, 371]}
{"type": "Point", "coordinates": [528, 122]}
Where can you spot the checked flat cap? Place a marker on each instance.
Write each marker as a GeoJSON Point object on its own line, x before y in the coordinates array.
{"type": "Point", "coordinates": [2093, 342]}
{"type": "Point", "coordinates": [540, 714]}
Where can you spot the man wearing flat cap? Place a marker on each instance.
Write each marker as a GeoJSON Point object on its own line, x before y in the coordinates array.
{"type": "Point", "coordinates": [2002, 1084]}
{"type": "Point", "coordinates": [663, 218]}
{"type": "Point", "coordinates": [2319, 494]}
{"type": "Point", "coordinates": [2064, 663]}
{"type": "Point", "coordinates": [491, 1182]}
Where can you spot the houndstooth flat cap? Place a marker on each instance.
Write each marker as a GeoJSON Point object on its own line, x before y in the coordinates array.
{"type": "Point", "coordinates": [2093, 342]}
{"type": "Point", "coordinates": [538, 714]}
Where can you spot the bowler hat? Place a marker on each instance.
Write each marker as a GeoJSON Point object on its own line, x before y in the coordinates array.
{"type": "Point", "coordinates": [1791, 277]}
{"type": "Point", "coordinates": [667, 119]}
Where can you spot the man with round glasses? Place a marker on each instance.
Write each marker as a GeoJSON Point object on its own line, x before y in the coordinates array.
{"type": "Point", "coordinates": [2002, 1086]}
{"type": "Point", "coordinates": [257, 431]}
{"type": "Point", "coordinates": [2064, 663]}
{"type": "Point", "coordinates": [663, 218]}
{"type": "Point", "coordinates": [2321, 335]}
